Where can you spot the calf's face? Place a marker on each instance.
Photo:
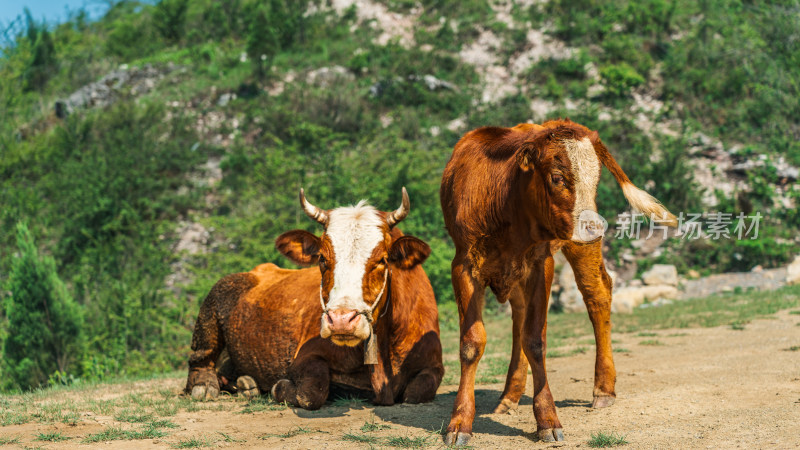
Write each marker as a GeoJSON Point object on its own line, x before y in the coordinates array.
{"type": "Point", "coordinates": [355, 255]}
{"type": "Point", "coordinates": [564, 173]}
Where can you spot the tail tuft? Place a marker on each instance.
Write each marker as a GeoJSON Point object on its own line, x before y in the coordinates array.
{"type": "Point", "coordinates": [648, 205]}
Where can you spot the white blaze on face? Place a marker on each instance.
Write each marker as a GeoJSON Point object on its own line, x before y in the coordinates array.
{"type": "Point", "coordinates": [354, 232]}
{"type": "Point", "coordinates": [586, 173]}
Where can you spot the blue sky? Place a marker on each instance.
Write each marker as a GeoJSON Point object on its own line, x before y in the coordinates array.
{"type": "Point", "coordinates": [53, 11]}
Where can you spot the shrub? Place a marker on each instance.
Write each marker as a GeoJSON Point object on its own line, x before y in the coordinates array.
{"type": "Point", "coordinates": [42, 63]}
{"type": "Point", "coordinates": [169, 18]}
{"type": "Point", "coordinates": [620, 78]}
{"type": "Point", "coordinates": [44, 323]}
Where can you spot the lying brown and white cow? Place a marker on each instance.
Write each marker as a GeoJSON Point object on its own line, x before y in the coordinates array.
{"type": "Point", "coordinates": [512, 197]}
{"type": "Point", "coordinates": [300, 332]}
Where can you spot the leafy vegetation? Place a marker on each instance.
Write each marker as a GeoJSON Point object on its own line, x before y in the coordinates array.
{"type": "Point", "coordinates": [603, 439]}
{"type": "Point", "coordinates": [106, 190]}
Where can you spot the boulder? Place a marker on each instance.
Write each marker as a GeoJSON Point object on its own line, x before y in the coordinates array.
{"type": "Point", "coordinates": [661, 274]}
{"type": "Point", "coordinates": [627, 298]}
{"type": "Point", "coordinates": [793, 272]}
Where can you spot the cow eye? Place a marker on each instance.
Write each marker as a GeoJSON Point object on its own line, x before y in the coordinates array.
{"type": "Point", "coordinates": [557, 179]}
{"type": "Point", "coordinates": [323, 263]}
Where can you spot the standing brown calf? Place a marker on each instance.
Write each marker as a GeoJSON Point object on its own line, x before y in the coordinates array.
{"type": "Point", "coordinates": [511, 198]}
{"type": "Point", "coordinates": [364, 319]}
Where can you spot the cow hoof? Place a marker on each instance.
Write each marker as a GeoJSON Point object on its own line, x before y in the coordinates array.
{"type": "Point", "coordinates": [202, 392]}
{"type": "Point", "coordinates": [603, 401]}
{"type": "Point", "coordinates": [457, 439]}
{"type": "Point", "coordinates": [505, 406]}
{"type": "Point", "coordinates": [283, 391]}
{"type": "Point", "coordinates": [247, 386]}
{"type": "Point", "coordinates": [550, 435]}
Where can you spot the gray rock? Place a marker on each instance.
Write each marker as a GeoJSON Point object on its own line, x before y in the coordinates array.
{"type": "Point", "coordinates": [328, 77]}
{"type": "Point", "coordinates": [661, 274]}
{"type": "Point", "coordinates": [793, 272]}
{"type": "Point", "coordinates": [625, 299]}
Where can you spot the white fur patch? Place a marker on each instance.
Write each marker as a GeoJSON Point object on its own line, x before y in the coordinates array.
{"type": "Point", "coordinates": [354, 232]}
{"type": "Point", "coordinates": [586, 172]}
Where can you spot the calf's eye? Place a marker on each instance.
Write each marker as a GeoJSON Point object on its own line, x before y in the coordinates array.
{"type": "Point", "coordinates": [557, 179]}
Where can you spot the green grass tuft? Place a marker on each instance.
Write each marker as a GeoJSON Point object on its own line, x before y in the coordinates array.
{"type": "Point", "coordinates": [793, 348]}
{"type": "Point", "coordinates": [228, 438]}
{"type": "Point", "coordinates": [621, 350]}
{"type": "Point", "coordinates": [54, 436]}
{"type": "Point", "coordinates": [409, 442]}
{"type": "Point", "coordinates": [651, 342]}
{"type": "Point", "coordinates": [193, 443]}
{"type": "Point", "coordinates": [739, 324]}
{"type": "Point", "coordinates": [605, 440]}
{"type": "Point", "coordinates": [9, 440]}
{"type": "Point", "coordinates": [646, 334]}
{"type": "Point", "coordinates": [360, 438]}
{"type": "Point", "coordinates": [372, 426]}
{"type": "Point", "coordinates": [350, 401]}
{"type": "Point", "coordinates": [291, 433]}
{"type": "Point", "coordinates": [109, 434]}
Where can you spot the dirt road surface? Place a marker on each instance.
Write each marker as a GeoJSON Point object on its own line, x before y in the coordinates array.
{"type": "Point", "coordinates": [689, 388]}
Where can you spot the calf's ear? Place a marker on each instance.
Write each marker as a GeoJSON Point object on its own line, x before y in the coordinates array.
{"type": "Point", "coordinates": [408, 251]}
{"type": "Point", "coordinates": [300, 246]}
{"type": "Point", "coordinates": [529, 154]}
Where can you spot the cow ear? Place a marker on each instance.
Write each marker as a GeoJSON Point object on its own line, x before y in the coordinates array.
{"type": "Point", "coordinates": [530, 152]}
{"type": "Point", "coordinates": [408, 251]}
{"type": "Point", "coordinates": [300, 246]}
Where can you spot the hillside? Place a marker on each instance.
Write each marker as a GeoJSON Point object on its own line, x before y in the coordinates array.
{"type": "Point", "coordinates": [160, 147]}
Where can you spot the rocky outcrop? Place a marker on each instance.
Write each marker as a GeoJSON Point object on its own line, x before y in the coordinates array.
{"type": "Point", "coordinates": [125, 81]}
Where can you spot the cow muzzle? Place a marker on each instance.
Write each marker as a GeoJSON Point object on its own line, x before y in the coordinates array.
{"type": "Point", "coordinates": [589, 227]}
{"type": "Point", "coordinates": [345, 327]}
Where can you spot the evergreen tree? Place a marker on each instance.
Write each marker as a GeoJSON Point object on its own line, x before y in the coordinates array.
{"type": "Point", "coordinates": [44, 323]}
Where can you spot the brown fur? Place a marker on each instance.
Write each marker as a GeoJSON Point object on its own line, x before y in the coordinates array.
{"type": "Point", "coordinates": [507, 217]}
{"type": "Point", "coordinates": [268, 320]}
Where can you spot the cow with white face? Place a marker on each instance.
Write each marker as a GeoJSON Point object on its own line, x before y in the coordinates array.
{"type": "Point", "coordinates": [363, 319]}
{"type": "Point", "coordinates": [511, 198]}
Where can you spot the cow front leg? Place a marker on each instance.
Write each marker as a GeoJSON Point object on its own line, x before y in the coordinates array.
{"type": "Point", "coordinates": [469, 296]}
{"type": "Point", "coordinates": [595, 286]}
{"type": "Point", "coordinates": [517, 376]}
{"type": "Point", "coordinates": [307, 386]}
{"type": "Point", "coordinates": [422, 388]}
{"type": "Point", "coordinates": [534, 343]}
{"type": "Point", "coordinates": [207, 343]}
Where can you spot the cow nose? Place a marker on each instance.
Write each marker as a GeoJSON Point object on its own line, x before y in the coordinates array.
{"type": "Point", "coordinates": [343, 321]}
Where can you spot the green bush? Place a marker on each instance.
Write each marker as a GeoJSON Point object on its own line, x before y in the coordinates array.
{"type": "Point", "coordinates": [619, 79]}
{"type": "Point", "coordinates": [43, 62]}
{"type": "Point", "coordinates": [45, 325]}
{"type": "Point", "coordinates": [169, 18]}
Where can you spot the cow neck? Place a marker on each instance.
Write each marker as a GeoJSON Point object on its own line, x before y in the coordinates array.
{"type": "Point", "coordinates": [371, 345]}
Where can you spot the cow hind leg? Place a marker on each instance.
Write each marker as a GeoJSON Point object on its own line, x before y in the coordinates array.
{"type": "Point", "coordinates": [518, 367]}
{"type": "Point", "coordinates": [422, 388]}
{"type": "Point", "coordinates": [595, 286]}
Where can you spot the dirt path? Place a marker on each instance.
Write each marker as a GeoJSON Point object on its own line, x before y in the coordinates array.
{"type": "Point", "coordinates": [695, 388]}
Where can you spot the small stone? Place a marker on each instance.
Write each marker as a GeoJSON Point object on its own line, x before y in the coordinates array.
{"type": "Point", "coordinates": [661, 274]}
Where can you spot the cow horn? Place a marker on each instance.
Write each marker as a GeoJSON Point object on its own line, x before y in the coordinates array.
{"type": "Point", "coordinates": [320, 215]}
{"type": "Point", "coordinates": [400, 213]}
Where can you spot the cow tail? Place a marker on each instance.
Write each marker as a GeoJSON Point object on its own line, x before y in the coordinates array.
{"type": "Point", "coordinates": [638, 199]}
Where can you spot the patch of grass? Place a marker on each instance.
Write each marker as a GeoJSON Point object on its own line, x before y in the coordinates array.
{"type": "Point", "coordinates": [795, 312]}
{"type": "Point", "coordinates": [162, 423]}
{"type": "Point", "coordinates": [193, 443]}
{"type": "Point", "coordinates": [109, 434]}
{"type": "Point", "coordinates": [262, 404]}
{"type": "Point", "coordinates": [793, 348]}
{"type": "Point", "coordinates": [372, 426]}
{"type": "Point", "coordinates": [129, 416]}
{"type": "Point", "coordinates": [605, 440]}
{"type": "Point", "coordinates": [291, 433]}
{"type": "Point", "coordinates": [13, 418]}
{"type": "Point", "coordinates": [350, 401]}
{"type": "Point", "coordinates": [621, 350]}
{"type": "Point", "coordinates": [54, 436]}
{"type": "Point", "coordinates": [739, 324]}
{"type": "Point", "coordinates": [563, 353]}
{"type": "Point", "coordinates": [646, 334]}
{"type": "Point", "coordinates": [145, 433]}
{"type": "Point", "coordinates": [653, 342]}
{"type": "Point", "coordinates": [360, 438]}
{"type": "Point", "coordinates": [409, 442]}
{"type": "Point", "coordinates": [677, 334]}
{"type": "Point", "coordinates": [9, 440]}
{"type": "Point", "coordinates": [228, 438]}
